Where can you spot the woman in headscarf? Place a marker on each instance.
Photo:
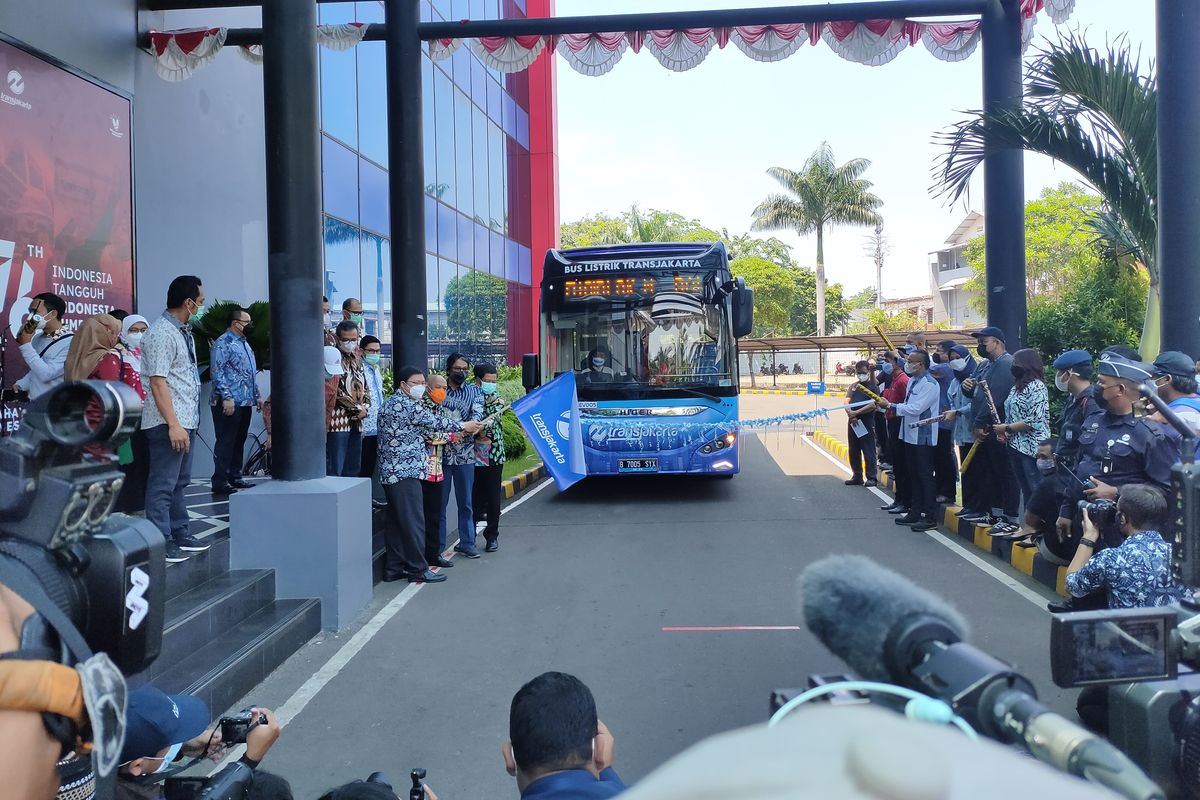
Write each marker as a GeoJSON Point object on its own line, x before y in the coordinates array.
{"type": "Point", "coordinates": [133, 328]}
{"type": "Point", "coordinates": [92, 357]}
{"type": "Point", "coordinates": [134, 456]}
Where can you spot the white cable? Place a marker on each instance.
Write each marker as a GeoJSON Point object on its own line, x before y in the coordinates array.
{"type": "Point", "coordinates": [919, 707]}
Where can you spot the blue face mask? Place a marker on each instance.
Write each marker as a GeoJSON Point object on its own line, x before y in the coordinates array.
{"type": "Point", "coordinates": [488, 388]}
{"type": "Point", "coordinates": [887, 368]}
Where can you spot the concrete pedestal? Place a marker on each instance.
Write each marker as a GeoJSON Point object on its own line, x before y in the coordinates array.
{"type": "Point", "coordinates": [315, 534]}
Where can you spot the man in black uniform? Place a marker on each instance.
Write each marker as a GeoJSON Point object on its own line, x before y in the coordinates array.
{"type": "Point", "coordinates": [860, 430]}
{"type": "Point", "coordinates": [1115, 448]}
{"type": "Point", "coordinates": [999, 496]}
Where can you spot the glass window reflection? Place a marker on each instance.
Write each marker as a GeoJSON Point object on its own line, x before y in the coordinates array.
{"type": "Point", "coordinates": [443, 93]}
{"type": "Point", "coordinates": [339, 180]}
{"type": "Point", "coordinates": [447, 232]}
{"type": "Point", "coordinates": [376, 259]}
{"type": "Point", "coordinates": [462, 152]}
{"type": "Point", "coordinates": [373, 205]}
{"type": "Point", "coordinates": [342, 276]}
{"type": "Point", "coordinates": [479, 166]}
{"type": "Point", "coordinates": [466, 241]}
{"type": "Point", "coordinates": [431, 243]}
{"type": "Point", "coordinates": [372, 101]}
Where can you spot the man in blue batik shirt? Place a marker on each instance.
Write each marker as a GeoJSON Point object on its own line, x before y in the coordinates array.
{"type": "Point", "coordinates": [1136, 573]}
{"type": "Point", "coordinates": [463, 403]}
{"type": "Point", "coordinates": [234, 395]}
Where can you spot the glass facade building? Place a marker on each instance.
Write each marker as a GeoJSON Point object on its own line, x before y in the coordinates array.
{"type": "Point", "coordinates": [479, 264]}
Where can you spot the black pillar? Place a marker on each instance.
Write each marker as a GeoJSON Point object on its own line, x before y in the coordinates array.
{"type": "Point", "coordinates": [1179, 173]}
{"type": "Point", "coordinates": [406, 183]}
{"type": "Point", "coordinates": [294, 245]}
{"type": "Point", "coordinates": [1004, 175]}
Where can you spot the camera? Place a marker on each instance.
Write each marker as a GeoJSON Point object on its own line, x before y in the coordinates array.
{"type": "Point", "coordinates": [105, 571]}
{"type": "Point", "coordinates": [236, 727]}
{"type": "Point", "coordinates": [1102, 512]}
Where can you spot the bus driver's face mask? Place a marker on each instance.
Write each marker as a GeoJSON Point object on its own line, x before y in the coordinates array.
{"type": "Point", "coordinates": [598, 362]}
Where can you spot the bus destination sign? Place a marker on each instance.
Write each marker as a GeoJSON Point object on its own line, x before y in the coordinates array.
{"type": "Point", "coordinates": [633, 265]}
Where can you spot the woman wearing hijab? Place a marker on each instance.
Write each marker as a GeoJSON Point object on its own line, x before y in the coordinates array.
{"type": "Point", "coordinates": [135, 455]}
{"type": "Point", "coordinates": [91, 357]}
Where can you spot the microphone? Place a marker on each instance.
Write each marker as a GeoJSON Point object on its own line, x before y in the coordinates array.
{"type": "Point", "coordinates": [888, 629]}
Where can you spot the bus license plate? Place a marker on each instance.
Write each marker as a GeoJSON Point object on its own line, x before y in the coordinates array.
{"type": "Point", "coordinates": [638, 465]}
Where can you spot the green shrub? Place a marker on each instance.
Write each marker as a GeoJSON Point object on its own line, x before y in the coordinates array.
{"type": "Point", "coordinates": [515, 443]}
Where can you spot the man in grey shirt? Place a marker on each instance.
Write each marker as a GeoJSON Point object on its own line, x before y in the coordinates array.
{"type": "Point", "coordinates": [172, 413]}
{"type": "Point", "coordinates": [999, 496]}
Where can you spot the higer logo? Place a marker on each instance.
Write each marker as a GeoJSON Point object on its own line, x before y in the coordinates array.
{"type": "Point", "coordinates": [135, 599]}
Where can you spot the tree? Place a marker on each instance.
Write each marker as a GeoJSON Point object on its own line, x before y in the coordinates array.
{"type": "Point", "coordinates": [803, 317]}
{"type": "Point", "coordinates": [905, 321]}
{"type": "Point", "coordinates": [866, 298]}
{"type": "Point", "coordinates": [820, 195]}
{"type": "Point", "coordinates": [774, 293]}
{"type": "Point", "coordinates": [1060, 245]}
{"type": "Point", "coordinates": [877, 248]}
{"type": "Point", "coordinates": [1097, 113]}
{"type": "Point", "coordinates": [772, 249]}
{"type": "Point", "coordinates": [599, 229]}
{"type": "Point", "coordinates": [476, 306]}
{"type": "Point", "coordinates": [634, 226]}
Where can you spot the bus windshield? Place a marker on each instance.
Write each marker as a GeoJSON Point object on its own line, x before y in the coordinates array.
{"type": "Point", "coordinates": [658, 340]}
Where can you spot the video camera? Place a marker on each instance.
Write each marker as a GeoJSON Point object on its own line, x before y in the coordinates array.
{"type": "Point", "coordinates": [104, 571]}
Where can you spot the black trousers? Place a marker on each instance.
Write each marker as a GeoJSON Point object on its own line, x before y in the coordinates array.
{"type": "Point", "coordinates": [997, 484]}
{"type": "Point", "coordinates": [486, 495]}
{"type": "Point", "coordinates": [862, 448]}
{"type": "Point", "coordinates": [370, 456]}
{"type": "Point", "coordinates": [918, 462]}
{"type": "Point", "coordinates": [133, 491]}
{"type": "Point", "coordinates": [231, 433]}
{"type": "Point", "coordinates": [944, 465]}
{"type": "Point", "coordinates": [970, 479]}
{"type": "Point", "coordinates": [900, 469]}
{"type": "Point", "coordinates": [881, 438]}
{"type": "Point", "coordinates": [431, 499]}
{"type": "Point", "coordinates": [404, 538]}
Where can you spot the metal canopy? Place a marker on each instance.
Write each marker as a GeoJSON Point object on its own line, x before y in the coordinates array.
{"type": "Point", "coordinates": [871, 342]}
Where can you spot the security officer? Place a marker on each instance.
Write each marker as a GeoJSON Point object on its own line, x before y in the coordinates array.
{"type": "Point", "coordinates": [1115, 448]}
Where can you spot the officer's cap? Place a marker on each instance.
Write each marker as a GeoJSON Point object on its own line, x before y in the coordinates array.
{"type": "Point", "coordinates": [1116, 366]}
{"type": "Point", "coordinates": [1072, 359]}
{"type": "Point", "coordinates": [1173, 362]}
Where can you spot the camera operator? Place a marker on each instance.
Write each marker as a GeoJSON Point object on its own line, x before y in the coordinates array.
{"type": "Point", "coordinates": [1137, 572]}
{"type": "Point", "coordinates": [1115, 448]}
{"type": "Point", "coordinates": [161, 728]}
{"type": "Point", "coordinates": [44, 342]}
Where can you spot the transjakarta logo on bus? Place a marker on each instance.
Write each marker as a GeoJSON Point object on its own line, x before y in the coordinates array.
{"type": "Point", "coordinates": [636, 264]}
{"type": "Point", "coordinates": [539, 423]}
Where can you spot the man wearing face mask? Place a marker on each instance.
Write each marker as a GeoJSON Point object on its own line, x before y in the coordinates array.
{"type": "Point", "coordinates": [327, 323]}
{"type": "Point", "coordinates": [489, 459]}
{"type": "Point", "coordinates": [921, 402]}
{"type": "Point", "coordinates": [1115, 448]}
{"type": "Point", "coordinates": [343, 451]}
{"type": "Point", "coordinates": [372, 350]}
{"type": "Point", "coordinates": [405, 424]}
{"type": "Point", "coordinates": [895, 390]}
{"type": "Point", "coordinates": [1177, 385]}
{"type": "Point", "coordinates": [959, 359]}
{"type": "Point", "coordinates": [464, 402]}
{"type": "Point", "coordinates": [598, 368]}
{"type": "Point", "coordinates": [861, 428]}
{"type": "Point", "coordinates": [998, 495]}
{"type": "Point", "coordinates": [234, 396]}
{"type": "Point", "coordinates": [44, 343]}
{"type": "Point", "coordinates": [435, 473]}
{"type": "Point", "coordinates": [352, 311]}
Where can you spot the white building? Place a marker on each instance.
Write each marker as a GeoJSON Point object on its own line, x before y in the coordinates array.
{"type": "Point", "coordinates": [949, 272]}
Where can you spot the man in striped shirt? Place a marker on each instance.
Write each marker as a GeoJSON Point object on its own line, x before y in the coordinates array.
{"type": "Point", "coordinates": [921, 402]}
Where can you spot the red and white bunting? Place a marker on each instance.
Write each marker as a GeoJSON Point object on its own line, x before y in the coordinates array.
{"type": "Point", "coordinates": [873, 42]}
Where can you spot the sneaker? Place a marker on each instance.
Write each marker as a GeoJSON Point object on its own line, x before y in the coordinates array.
{"type": "Point", "coordinates": [871, 483]}
{"type": "Point", "coordinates": [466, 552]}
{"type": "Point", "coordinates": [191, 544]}
{"type": "Point", "coordinates": [1003, 529]}
{"type": "Point", "coordinates": [174, 554]}
{"type": "Point", "coordinates": [966, 512]}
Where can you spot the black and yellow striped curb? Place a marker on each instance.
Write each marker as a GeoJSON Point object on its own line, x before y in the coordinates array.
{"type": "Point", "coordinates": [522, 481]}
{"type": "Point", "coordinates": [1025, 559]}
{"type": "Point", "coordinates": [793, 392]}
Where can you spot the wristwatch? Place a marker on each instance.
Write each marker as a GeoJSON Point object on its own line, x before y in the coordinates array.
{"type": "Point", "coordinates": [1088, 542]}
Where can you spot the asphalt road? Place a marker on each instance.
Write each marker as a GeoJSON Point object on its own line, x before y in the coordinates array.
{"type": "Point", "coordinates": [585, 583]}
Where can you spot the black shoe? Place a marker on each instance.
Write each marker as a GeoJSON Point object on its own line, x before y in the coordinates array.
{"type": "Point", "coordinates": [1061, 606]}
{"type": "Point", "coordinates": [223, 491]}
{"type": "Point", "coordinates": [428, 576]}
{"type": "Point", "coordinates": [899, 510]}
{"type": "Point", "coordinates": [191, 544]}
{"type": "Point", "coordinates": [444, 563]}
{"type": "Point", "coordinates": [908, 519]}
{"type": "Point", "coordinates": [890, 506]}
{"type": "Point", "coordinates": [492, 546]}
{"type": "Point", "coordinates": [966, 512]}
{"type": "Point", "coordinates": [853, 482]}
{"type": "Point", "coordinates": [466, 552]}
{"type": "Point", "coordinates": [393, 578]}
{"type": "Point", "coordinates": [871, 483]}
{"type": "Point", "coordinates": [241, 484]}
{"type": "Point", "coordinates": [977, 517]}
{"type": "Point", "coordinates": [174, 554]}
{"type": "Point", "coordinates": [924, 524]}
{"type": "Point", "coordinates": [1003, 528]}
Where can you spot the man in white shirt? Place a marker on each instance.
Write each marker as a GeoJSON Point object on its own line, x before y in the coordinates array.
{"type": "Point", "coordinates": [44, 343]}
{"type": "Point", "coordinates": [921, 403]}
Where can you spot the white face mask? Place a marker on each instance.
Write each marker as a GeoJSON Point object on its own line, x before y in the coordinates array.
{"type": "Point", "coordinates": [416, 391]}
{"type": "Point", "coordinates": [1060, 382]}
{"type": "Point", "coordinates": [134, 340]}
{"type": "Point", "coordinates": [958, 364]}
{"type": "Point", "coordinates": [348, 347]}
{"type": "Point", "coordinates": [328, 319]}
{"type": "Point", "coordinates": [597, 362]}
{"type": "Point", "coordinates": [862, 376]}
{"type": "Point", "coordinates": [909, 369]}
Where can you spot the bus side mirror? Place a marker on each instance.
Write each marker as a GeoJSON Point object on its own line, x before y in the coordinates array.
{"type": "Point", "coordinates": [529, 372]}
{"type": "Point", "coordinates": [743, 309]}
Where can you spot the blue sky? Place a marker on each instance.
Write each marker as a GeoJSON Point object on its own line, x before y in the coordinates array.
{"type": "Point", "coordinates": [699, 142]}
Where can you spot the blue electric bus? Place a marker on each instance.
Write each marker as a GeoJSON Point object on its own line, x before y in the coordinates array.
{"type": "Point", "coordinates": [650, 331]}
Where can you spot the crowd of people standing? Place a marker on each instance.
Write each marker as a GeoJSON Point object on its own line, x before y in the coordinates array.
{"type": "Point", "coordinates": [946, 416]}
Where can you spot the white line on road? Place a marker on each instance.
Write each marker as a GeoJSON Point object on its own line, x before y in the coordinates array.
{"type": "Point", "coordinates": [319, 679]}
{"type": "Point", "coordinates": [955, 547]}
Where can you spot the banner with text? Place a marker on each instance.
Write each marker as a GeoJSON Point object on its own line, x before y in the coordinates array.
{"type": "Point", "coordinates": [550, 415]}
{"type": "Point", "coordinates": [66, 199]}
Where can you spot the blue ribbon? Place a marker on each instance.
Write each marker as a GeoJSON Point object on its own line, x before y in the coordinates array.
{"type": "Point", "coordinates": [727, 427]}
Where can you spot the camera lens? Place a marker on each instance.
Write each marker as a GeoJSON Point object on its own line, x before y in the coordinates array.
{"type": "Point", "coordinates": [64, 415]}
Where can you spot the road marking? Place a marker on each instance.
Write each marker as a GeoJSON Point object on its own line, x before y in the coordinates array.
{"type": "Point", "coordinates": [954, 547]}
{"type": "Point", "coordinates": [734, 628]}
{"type": "Point", "coordinates": [319, 679]}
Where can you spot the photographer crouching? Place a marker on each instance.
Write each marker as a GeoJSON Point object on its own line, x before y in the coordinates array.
{"type": "Point", "coordinates": [166, 734]}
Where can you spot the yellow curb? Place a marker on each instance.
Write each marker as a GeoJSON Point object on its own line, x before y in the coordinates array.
{"type": "Point", "coordinates": [522, 481]}
{"type": "Point", "coordinates": [1022, 559]}
{"type": "Point", "coordinates": [982, 540]}
{"type": "Point", "coordinates": [1061, 583]}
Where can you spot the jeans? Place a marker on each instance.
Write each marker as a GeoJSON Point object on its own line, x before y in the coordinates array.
{"type": "Point", "coordinates": [486, 498]}
{"type": "Point", "coordinates": [170, 473]}
{"type": "Point", "coordinates": [462, 478]}
{"type": "Point", "coordinates": [970, 482]}
{"type": "Point", "coordinates": [1026, 472]}
{"type": "Point", "coordinates": [230, 449]}
{"type": "Point", "coordinates": [343, 453]}
{"type": "Point", "coordinates": [862, 448]}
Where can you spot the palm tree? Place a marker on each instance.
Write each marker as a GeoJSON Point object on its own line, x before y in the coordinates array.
{"type": "Point", "coordinates": [820, 195]}
{"type": "Point", "coordinates": [1097, 113]}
